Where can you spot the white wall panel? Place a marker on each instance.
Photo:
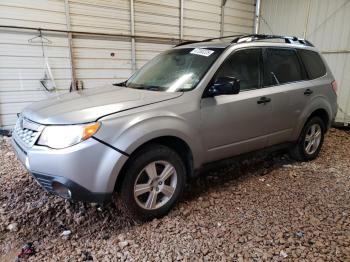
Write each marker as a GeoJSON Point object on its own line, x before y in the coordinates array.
{"type": "Point", "coordinates": [239, 17]}
{"type": "Point", "coordinates": [32, 51]}
{"type": "Point", "coordinates": [30, 73]}
{"type": "Point", "coordinates": [101, 16]}
{"type": "Point", "coordinates": [340, 64]}
{"type": "Point", "coordinates": [157, 18]}
{"type": "Point", "coordinates": [25, 96]}
{"type": "Point", "coordinates": [283, 17]}
{"type": "Point", "coordinates": [21, 68]}
{"type": "Point", "coordinates": [8, 120]}
{"type": "Point", "coordinates": [41, 13]}
{"type": "Point", "coordinates": [202, 19]}
{"type": "Point", "coordinates": [28, 85]}
{"type": "Point", "coordinates": [326, 23]}
{"type": "Point", "coordinates": [13, 108]}
{"type": "Point", "coordinates": [329, 24]}
{"type": "Point", "coordinates": [34, 62]}
{"type": "Point", "coordinates": [93, 60]}
{"type": "Point", "coordinates": [13, 102]}
{"type": "Point", "coordinates": [21, 63]}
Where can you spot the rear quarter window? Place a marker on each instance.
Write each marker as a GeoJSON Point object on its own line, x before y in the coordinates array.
{"type": "Point", "coordinates": [313, 63]}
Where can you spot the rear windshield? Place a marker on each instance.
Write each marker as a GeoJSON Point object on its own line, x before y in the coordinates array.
{"type": "Point", "coordinates": [175, 70]}
{"type": "Point", "coordinates": [313, 63]}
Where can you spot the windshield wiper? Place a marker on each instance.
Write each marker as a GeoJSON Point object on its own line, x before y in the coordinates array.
{"type": "Point", "coordinates": [120, 84]}
{"type": "Point", "coordinates": [146, 87]}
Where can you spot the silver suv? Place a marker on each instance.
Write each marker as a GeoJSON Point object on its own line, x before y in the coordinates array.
{"type": "Point", "coordinates": [194, 104]}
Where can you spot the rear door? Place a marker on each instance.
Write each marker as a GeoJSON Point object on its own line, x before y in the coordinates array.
{"type": "Point", "coordinates": [284, 77]}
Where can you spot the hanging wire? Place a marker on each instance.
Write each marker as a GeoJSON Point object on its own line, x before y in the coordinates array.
{"type": "Point", "coordinates": [45, 81]}
{"type": "Point", "coordinates": [267, 24]}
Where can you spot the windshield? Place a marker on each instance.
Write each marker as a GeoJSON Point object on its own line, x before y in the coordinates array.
{"type": "Point", "coordinates": [174, 70]}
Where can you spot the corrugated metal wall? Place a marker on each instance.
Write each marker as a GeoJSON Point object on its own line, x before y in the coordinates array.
{"type": "Point", "coordinates": [33, 13]}
{"type": "Point", "coordinates": [239, 17]}
{"type": "Point", "coordinates": [202, 19]}
{"type": "Point", "coordinates": [326, 23]}
{"type": "Point", "coordinates": [99, 60]}
{"type": "Point", "coordinates": [21, 62]}
{"type": "Point", "coordinates": [102, 16]}
{"type": "Point", "coordinates": [157, 18]}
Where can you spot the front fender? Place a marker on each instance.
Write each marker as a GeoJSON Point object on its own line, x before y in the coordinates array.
{"type": "Point", "coordinates": [156, 127]}
{"type": "Point", "coordinates": [127, 133]}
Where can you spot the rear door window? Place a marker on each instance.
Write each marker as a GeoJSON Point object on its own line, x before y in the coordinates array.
{"type": "Point", "coordinates": [282, 65]}
{"type": "Point", "coordinates": [313, 63]}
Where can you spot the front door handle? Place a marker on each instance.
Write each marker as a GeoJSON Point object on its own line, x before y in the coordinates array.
{"type": "Point", "coordinates": [264, 100]}
{"type": "Point", "coordinates": [308, 92]}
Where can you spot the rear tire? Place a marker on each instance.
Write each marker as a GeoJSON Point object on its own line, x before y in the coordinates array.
{"type": "Point", "coordinates": [154, 181]}
{"type": "Point", "coordinates": [310, 140]}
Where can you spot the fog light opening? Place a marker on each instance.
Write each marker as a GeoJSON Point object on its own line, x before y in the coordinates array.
{"type": "Point", "coordinates": [61, 190]}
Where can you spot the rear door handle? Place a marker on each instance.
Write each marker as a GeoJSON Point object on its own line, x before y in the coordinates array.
{"type": "Point", "coordinates": [264, 100]}
{"type": "Point", "coordinates": [308, 92]}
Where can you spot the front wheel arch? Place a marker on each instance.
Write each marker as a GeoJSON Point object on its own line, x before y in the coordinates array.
{"type": "Point", "coordinates": [173, 142]}
{"type": "Point", "coordinates": [150, 154]}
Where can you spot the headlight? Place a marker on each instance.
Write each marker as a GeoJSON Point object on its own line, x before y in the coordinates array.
{"type": "Point", "coordinates": [67, 135]}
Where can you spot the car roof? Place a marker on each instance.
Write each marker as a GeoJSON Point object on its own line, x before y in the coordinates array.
{"type": "Point", "coordinates": [208, 44]}
{"type": "Point", "coordinates": [250, 41]}
{"type": "Point", "coordinates": [260, 43]}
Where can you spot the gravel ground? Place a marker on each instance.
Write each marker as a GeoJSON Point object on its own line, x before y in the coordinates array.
{"type": "Point", "coordinates": [261, 209]}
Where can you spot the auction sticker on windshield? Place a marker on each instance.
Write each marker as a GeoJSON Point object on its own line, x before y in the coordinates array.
{"type": "Point", "coordinates": [201, 51]}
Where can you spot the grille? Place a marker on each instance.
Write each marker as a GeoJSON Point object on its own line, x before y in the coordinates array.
{"type": "Point", "coordinates": [27, 131]}
{"type": "Point", "coordinates": [44, 181]}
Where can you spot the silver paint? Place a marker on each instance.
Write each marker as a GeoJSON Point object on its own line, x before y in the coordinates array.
{"type": "Point", "coordinates": [213, 128]}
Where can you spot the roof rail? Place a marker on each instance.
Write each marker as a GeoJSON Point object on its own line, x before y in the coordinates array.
{"type": "Point", "coordinates": [187, 43]}
{"type": "Point", "coordinates": [206, 40]}
{"type": "Point", "coordinates": [255, 37]}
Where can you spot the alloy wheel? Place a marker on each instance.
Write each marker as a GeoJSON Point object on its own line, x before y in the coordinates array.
{"type": "Point", "coordinates": [312, 139]}
{"type": "Point", "coordinates": [155, 185]}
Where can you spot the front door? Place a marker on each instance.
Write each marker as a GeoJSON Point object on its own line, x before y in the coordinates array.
{"type": "Point", "coordinates": [239, 123]}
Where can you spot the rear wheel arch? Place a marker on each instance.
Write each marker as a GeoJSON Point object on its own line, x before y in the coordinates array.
{"type": "Point", "coordinates": [318, 107]}
{"type": "Point", "coordinates": [321, 113]}
{"type": "Point", "coordinates": [310, 140]}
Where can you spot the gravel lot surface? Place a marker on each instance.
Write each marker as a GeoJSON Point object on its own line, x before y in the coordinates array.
{"type": "Point", "coordinates": [261, 209]}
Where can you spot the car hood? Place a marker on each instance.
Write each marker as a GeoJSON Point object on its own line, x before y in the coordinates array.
{"type": "Point", "coordinates": [89, 105]}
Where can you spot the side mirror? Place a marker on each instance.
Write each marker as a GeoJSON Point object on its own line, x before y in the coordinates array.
{"type": "Point", "coordinates": [225, 86]}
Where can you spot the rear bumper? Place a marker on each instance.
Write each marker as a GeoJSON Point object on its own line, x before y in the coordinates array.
{"type": "Point", "coordinates": [88, 170]}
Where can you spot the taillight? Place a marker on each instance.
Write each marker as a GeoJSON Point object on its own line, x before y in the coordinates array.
{"type": "Point", "coordinates": [334, 86]}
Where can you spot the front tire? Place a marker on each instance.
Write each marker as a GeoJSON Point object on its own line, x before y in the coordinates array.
{"type": "Point", "coordinates": [310, 140]}
{"type": "Point", "coordinates": [153, 183]}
